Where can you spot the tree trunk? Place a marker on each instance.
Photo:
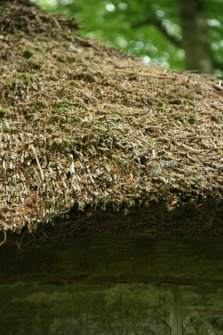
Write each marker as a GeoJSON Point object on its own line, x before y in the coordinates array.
{"type": "Point", "coordinates": [195, 35]}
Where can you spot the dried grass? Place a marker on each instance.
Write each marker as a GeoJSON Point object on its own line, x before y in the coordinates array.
{"type": "Point", "coordinates": [81, 124]}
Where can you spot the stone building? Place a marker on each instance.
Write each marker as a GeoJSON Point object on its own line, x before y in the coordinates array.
{"type": "Point", "coordinates": [110, 187]}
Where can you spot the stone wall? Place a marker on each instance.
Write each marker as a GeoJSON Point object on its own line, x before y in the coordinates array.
{"type": "Point", "coordinates": [113, 287]}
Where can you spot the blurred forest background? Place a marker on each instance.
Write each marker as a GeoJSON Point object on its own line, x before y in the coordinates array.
{"type": "Point", "coordinates": [180, 34]}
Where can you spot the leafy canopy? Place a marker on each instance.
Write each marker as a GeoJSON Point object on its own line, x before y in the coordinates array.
{"type": "Point", "coordinates": [149, 29]}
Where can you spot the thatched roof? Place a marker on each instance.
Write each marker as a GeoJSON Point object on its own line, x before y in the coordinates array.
{"type": "Point", "coordinates": [83, 126]}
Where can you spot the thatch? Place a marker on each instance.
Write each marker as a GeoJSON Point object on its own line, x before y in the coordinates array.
{"type": "Point", "coordinates": [86, 127]}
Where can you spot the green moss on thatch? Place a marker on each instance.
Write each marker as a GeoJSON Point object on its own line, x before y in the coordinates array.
{"type": "Point", "coordinates": [93, 128]}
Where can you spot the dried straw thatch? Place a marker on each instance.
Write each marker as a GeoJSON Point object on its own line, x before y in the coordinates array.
{"type": "Point", "coordinates": [86, 129]}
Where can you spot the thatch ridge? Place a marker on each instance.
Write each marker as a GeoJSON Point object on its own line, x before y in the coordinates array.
{"type": "Point", "coordinates": [24, 16]}
{"type": "Point", "coordinates": [85, 126]}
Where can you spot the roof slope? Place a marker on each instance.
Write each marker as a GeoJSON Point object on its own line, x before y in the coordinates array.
{"type": "Point", "coordinates": [81, 124]}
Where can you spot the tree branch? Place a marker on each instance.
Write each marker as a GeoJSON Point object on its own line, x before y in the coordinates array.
{"type": "Point", "coordinates": [158, 24]}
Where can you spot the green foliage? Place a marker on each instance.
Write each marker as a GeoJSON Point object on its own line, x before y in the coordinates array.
{"type": "Point", "coordinates": [120, 23]}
